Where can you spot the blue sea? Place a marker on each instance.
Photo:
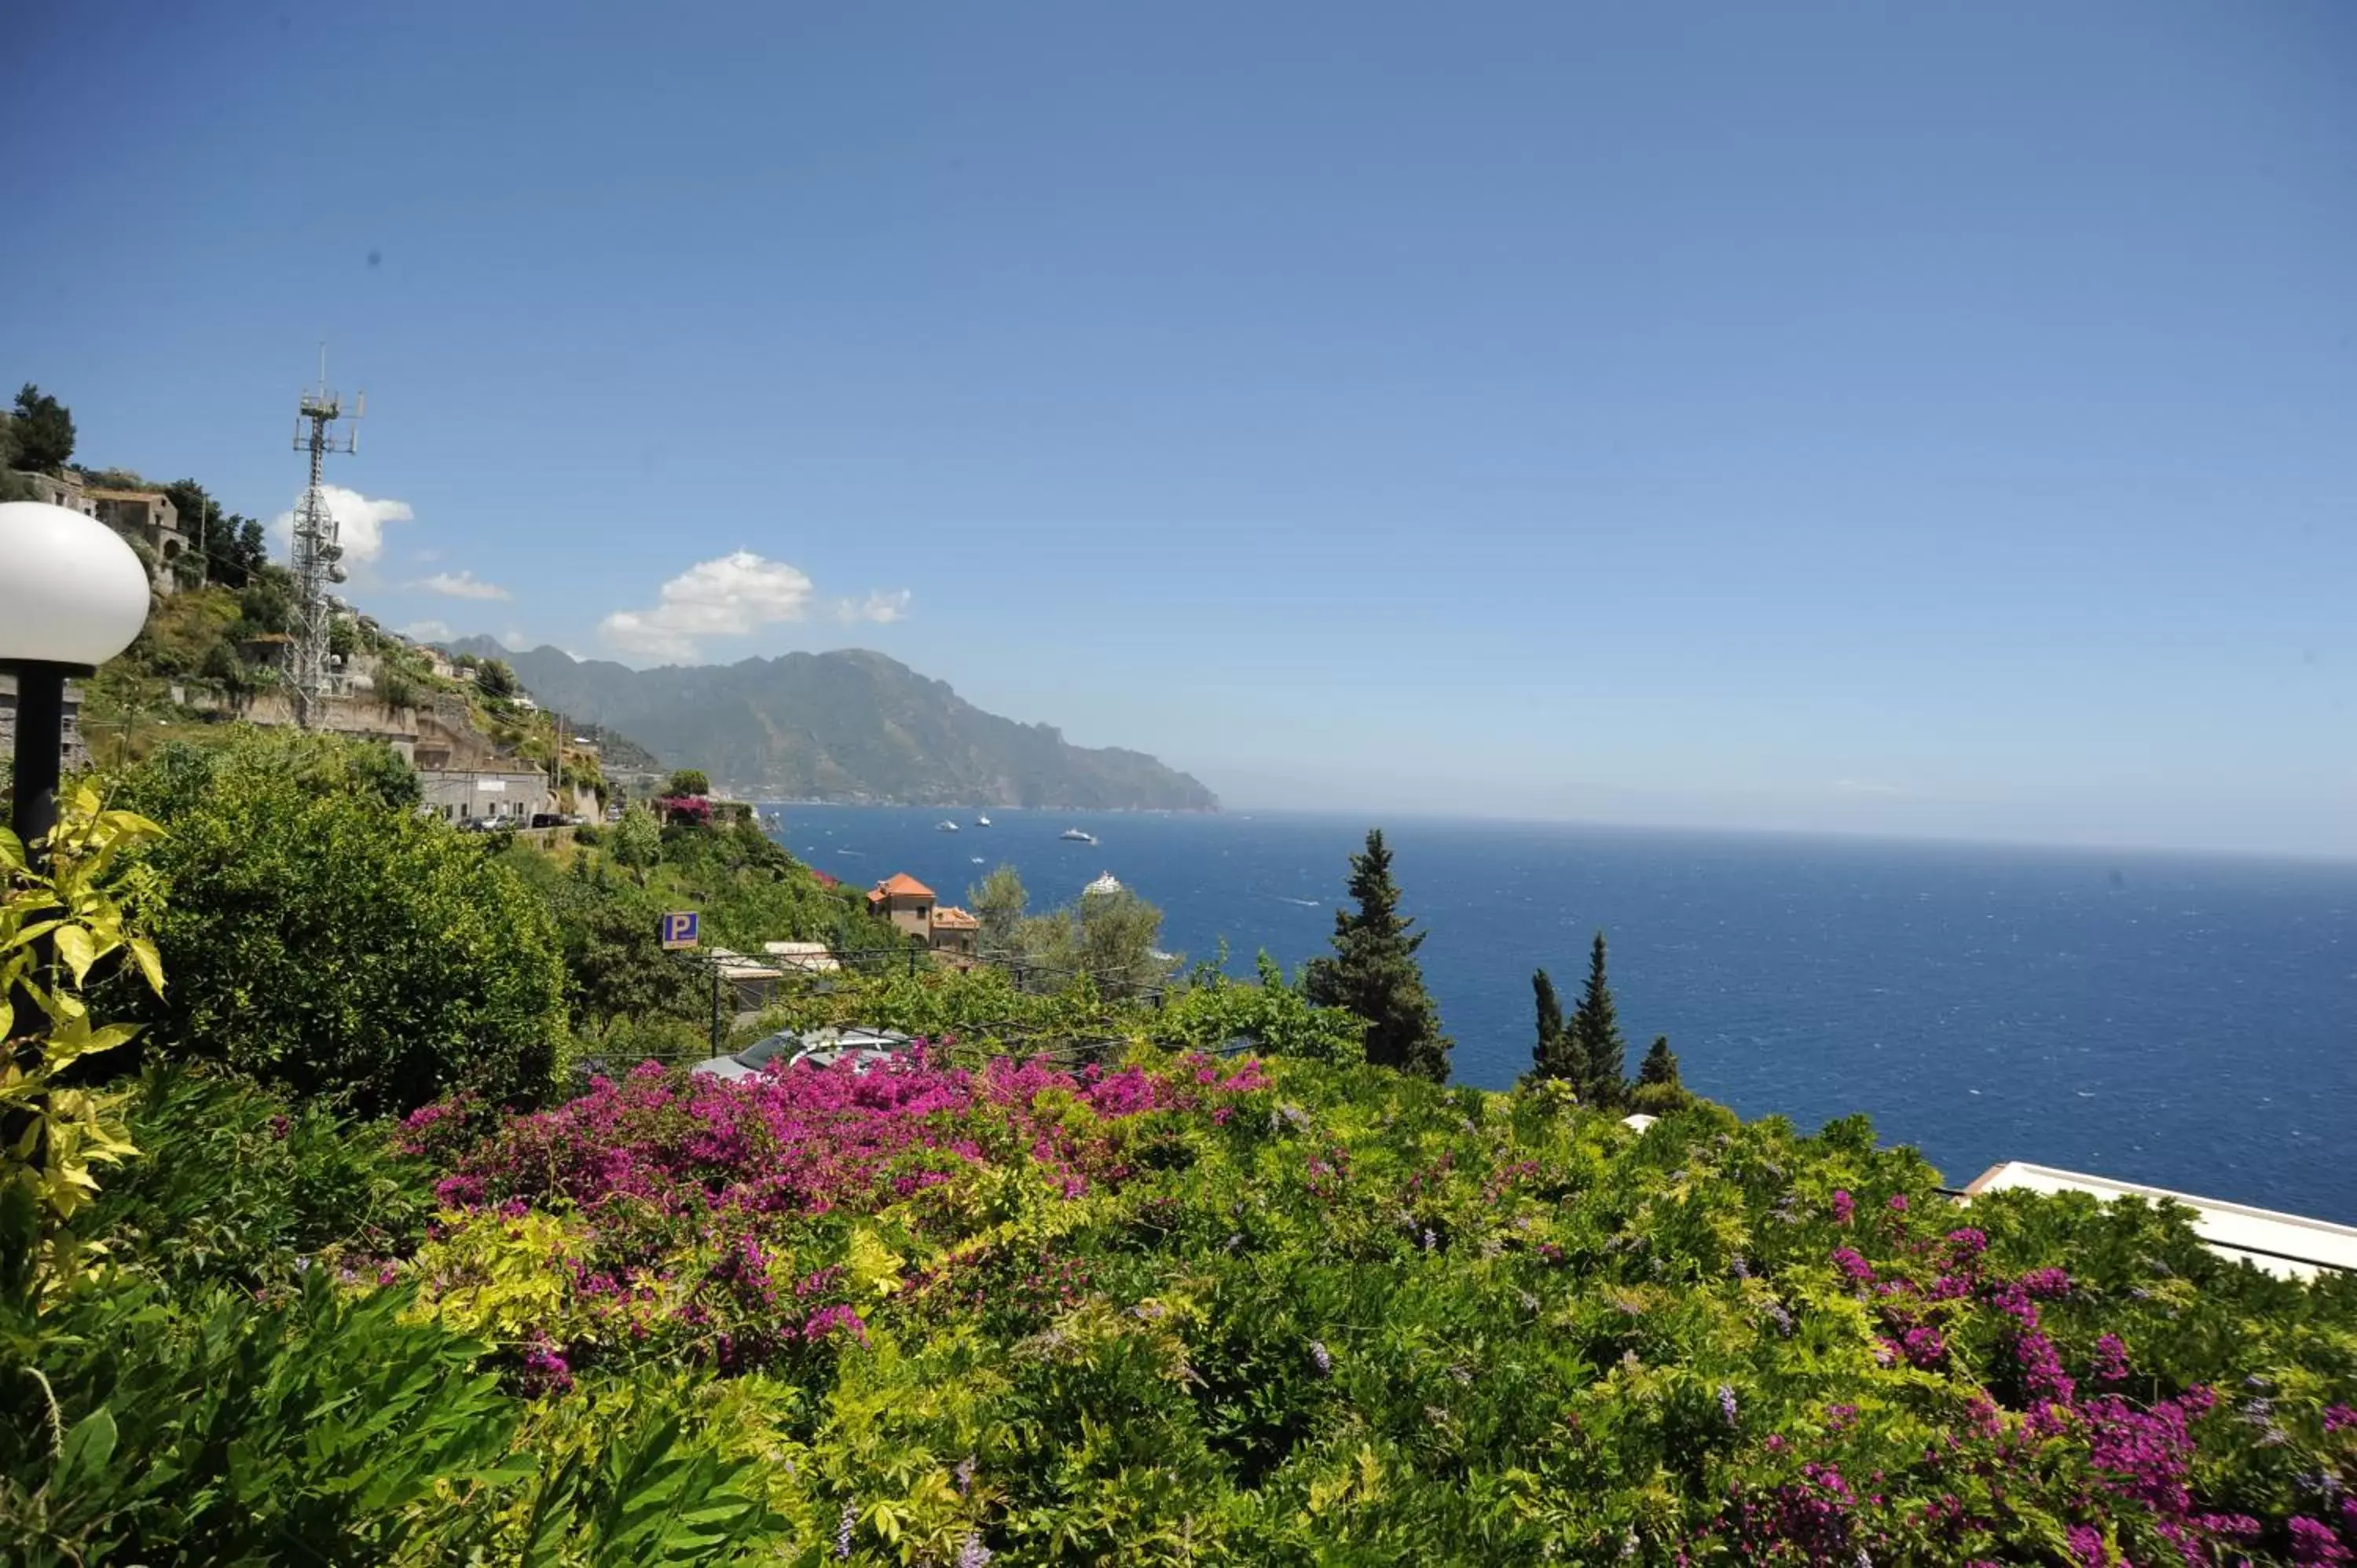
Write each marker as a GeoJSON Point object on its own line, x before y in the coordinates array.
{"type": "Point", "coordinates": [2184, 1021]}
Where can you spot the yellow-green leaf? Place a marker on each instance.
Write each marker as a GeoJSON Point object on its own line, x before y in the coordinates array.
{"type": "Point", "coordinates": [76, 949]}
{"type": "Point", "coordinates": [150, 964]}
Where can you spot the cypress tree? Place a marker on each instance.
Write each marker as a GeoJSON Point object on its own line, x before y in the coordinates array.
{"type": "Point", "coordinates": [1596, 1035]}
{"type": "Point", "coordinates": [1374, 971]}
{"type": "Point", "coordinates": [1554, 1055]}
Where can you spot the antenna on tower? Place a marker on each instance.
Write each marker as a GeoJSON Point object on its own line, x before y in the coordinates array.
{"type": "Point", "coordinates": [318, 556]}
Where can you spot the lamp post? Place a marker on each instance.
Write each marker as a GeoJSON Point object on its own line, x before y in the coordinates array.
{"type": "Point", "coordinates": [73, 595]}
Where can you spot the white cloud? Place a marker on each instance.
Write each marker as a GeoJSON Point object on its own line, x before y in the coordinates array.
{"type": "Point", "coordinates": [425, 555]}
{"type": "Point", "coordinates": [426, 631]}
{"type": "Point", "coordinates": [880, 607]}
{"type": "Point", "coordinates": [359, 522]}
{"type": "Point", "coordinates": [516, 641]}
{"type": "Point", "coordinates": [462, 585]}
{"type": "Point", "coordinates": [724, 597]}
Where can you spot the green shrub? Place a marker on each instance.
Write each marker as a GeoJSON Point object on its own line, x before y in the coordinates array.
{"type": "Point", "coordinates": [326, 1428]}
{"type": "Point", "coordinates": [1271, 1016]}
{"type": "Point", "coordinates": [1187, 1310]}
{"type": "Point", "coordinates": [224, 1430]}
{"type": "Point", "coordinates": [324, 937]}
{"type": "Point", "coordinates": [235, 1184]}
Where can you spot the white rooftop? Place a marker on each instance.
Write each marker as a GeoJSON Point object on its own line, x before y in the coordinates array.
{"type": "Point", "coordinates": [2290, 1245]}
{"type": "Point", "coordinates": [811, 958]}
{"type": "Point", "coordinates": [733, 965]}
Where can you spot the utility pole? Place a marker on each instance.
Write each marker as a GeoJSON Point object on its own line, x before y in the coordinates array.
{"type": "Point", "coordinates": [318, 557]}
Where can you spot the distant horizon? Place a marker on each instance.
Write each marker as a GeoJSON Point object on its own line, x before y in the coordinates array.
{"type": "Point", "coordinates": [1409, 807]}
{"type": "Point", "coordinates": [1384, 817]}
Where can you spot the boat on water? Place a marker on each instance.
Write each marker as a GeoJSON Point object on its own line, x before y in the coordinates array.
{"type": "Point", "coordinates": [977, 860]}
{"type": "Point", "coordinates": [1074, 836]}
{"type": "Point", "coordinates": [945, 827]}
{"type": "Point", "coordinates": [982, 821]}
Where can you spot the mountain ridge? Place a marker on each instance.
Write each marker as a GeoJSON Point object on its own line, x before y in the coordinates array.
{"type": "Point", "coordinates": [849, 724]}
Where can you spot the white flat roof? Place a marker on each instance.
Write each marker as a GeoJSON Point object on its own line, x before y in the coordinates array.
{"type": "Point", "coordinates": [733, 965]}
{"type": "Point", "coordinates": [2291, 1245]}
{"type": "Point", "coordinates": [811, 958]}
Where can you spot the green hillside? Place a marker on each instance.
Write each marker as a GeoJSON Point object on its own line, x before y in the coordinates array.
{"type": "Point", "coordinates": [848, 725]}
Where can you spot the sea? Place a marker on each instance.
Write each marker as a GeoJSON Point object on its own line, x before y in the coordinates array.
{"type": "Point", "coordinates": [2189, 1022]}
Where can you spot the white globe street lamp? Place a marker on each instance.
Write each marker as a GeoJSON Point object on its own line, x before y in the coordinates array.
{"type": "Point", "coordinates": [73, 595]}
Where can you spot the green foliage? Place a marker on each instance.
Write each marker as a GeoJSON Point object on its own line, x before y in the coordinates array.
{"type": "Point", "coordinates": [1335, 1315]}
{"type": "Point", "coordinates": [1108, 937]}
{"type": "Point", "coordinates": [495, 678]}
{"type": "Point", "coordinates": [323, 1427]}
{"type": "Point", "coordinates": [688, 781]}
{"type": "Point", "coordinates": [1595, 1043]}
{"type": "Point", "coordinates": [981, 1009]}
{"type": "Point", "coordinates": [116, 479]}
{"type": "Point", "coordinates": [237, 1186]}
{"type": "Point", "coordinates": [637, 840]}
{"type": "Point", "coordinates": [43, 430]}
{"type": "Point", "coordinates": [1661, 1063]}
{"type": "Point", "coordinates": [221, 1430]}
{"type": "Point", "coordinates": [616, 973]}
{"type": "Point", "coordinates": [1556, 1054]}
{"type": "Point", "coordinates": [336, 942]}
{"type": "Point", "coordinates": [63, 924]}
{"type": "Point", "coordinates": [1374, 975]}
{"type": "Point", "coordinates": [998, 902]}
{"type": "Point", "coordinates": [1271, 1016]}
{"type": "Point", "coordinates": [752, 891]}
{"type": "Point", "coordinates": [266, 605]}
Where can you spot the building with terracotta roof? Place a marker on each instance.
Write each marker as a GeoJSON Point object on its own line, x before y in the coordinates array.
{"type": "Point", "coordinates": [955, 932]}
{"type": "Point", "coordinates": [906, 903]}
{"type": "Point", "coordinates": [913, 908]}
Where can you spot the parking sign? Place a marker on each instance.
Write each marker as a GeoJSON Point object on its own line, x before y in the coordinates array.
{"type": "Point", "coordinates": [679, 928]}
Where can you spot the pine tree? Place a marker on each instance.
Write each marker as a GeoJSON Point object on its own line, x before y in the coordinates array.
{"type": "Point", "coordinates": [1658, 1091]}
{"type": "Point", "coordinates": [1555, 1055]}
{"type": "Point", "coordinates": [1596, 1035]}
{"type": "Point", "coordinates": [1661, 1063]}
{"type": "Point", "coordinates": [1374, 971]}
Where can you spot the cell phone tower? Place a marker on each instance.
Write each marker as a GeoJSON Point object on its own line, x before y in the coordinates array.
{"type": "Point", "coordinates": [318, 557]}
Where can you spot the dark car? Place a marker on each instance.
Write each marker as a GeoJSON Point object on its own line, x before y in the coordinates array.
{"type": "Point", "coordinates": [548, 819]}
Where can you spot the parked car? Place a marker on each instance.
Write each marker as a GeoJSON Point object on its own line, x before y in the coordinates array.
{"type": "Point", "coordinates": [548, 819]}
{"type": "Point", "coordinates": [867, 1049]}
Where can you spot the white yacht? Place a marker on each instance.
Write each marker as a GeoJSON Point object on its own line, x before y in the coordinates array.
{"type": "Point", "coordinates": [1075, 835]}
{"type": "Point", "coordinates": [945, 827]}
{"type": "Point", "coordinates": [982, 821]}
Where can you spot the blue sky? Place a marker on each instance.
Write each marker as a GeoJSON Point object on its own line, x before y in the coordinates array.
{"type": "Point", "coordinates": [1821, 416]}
